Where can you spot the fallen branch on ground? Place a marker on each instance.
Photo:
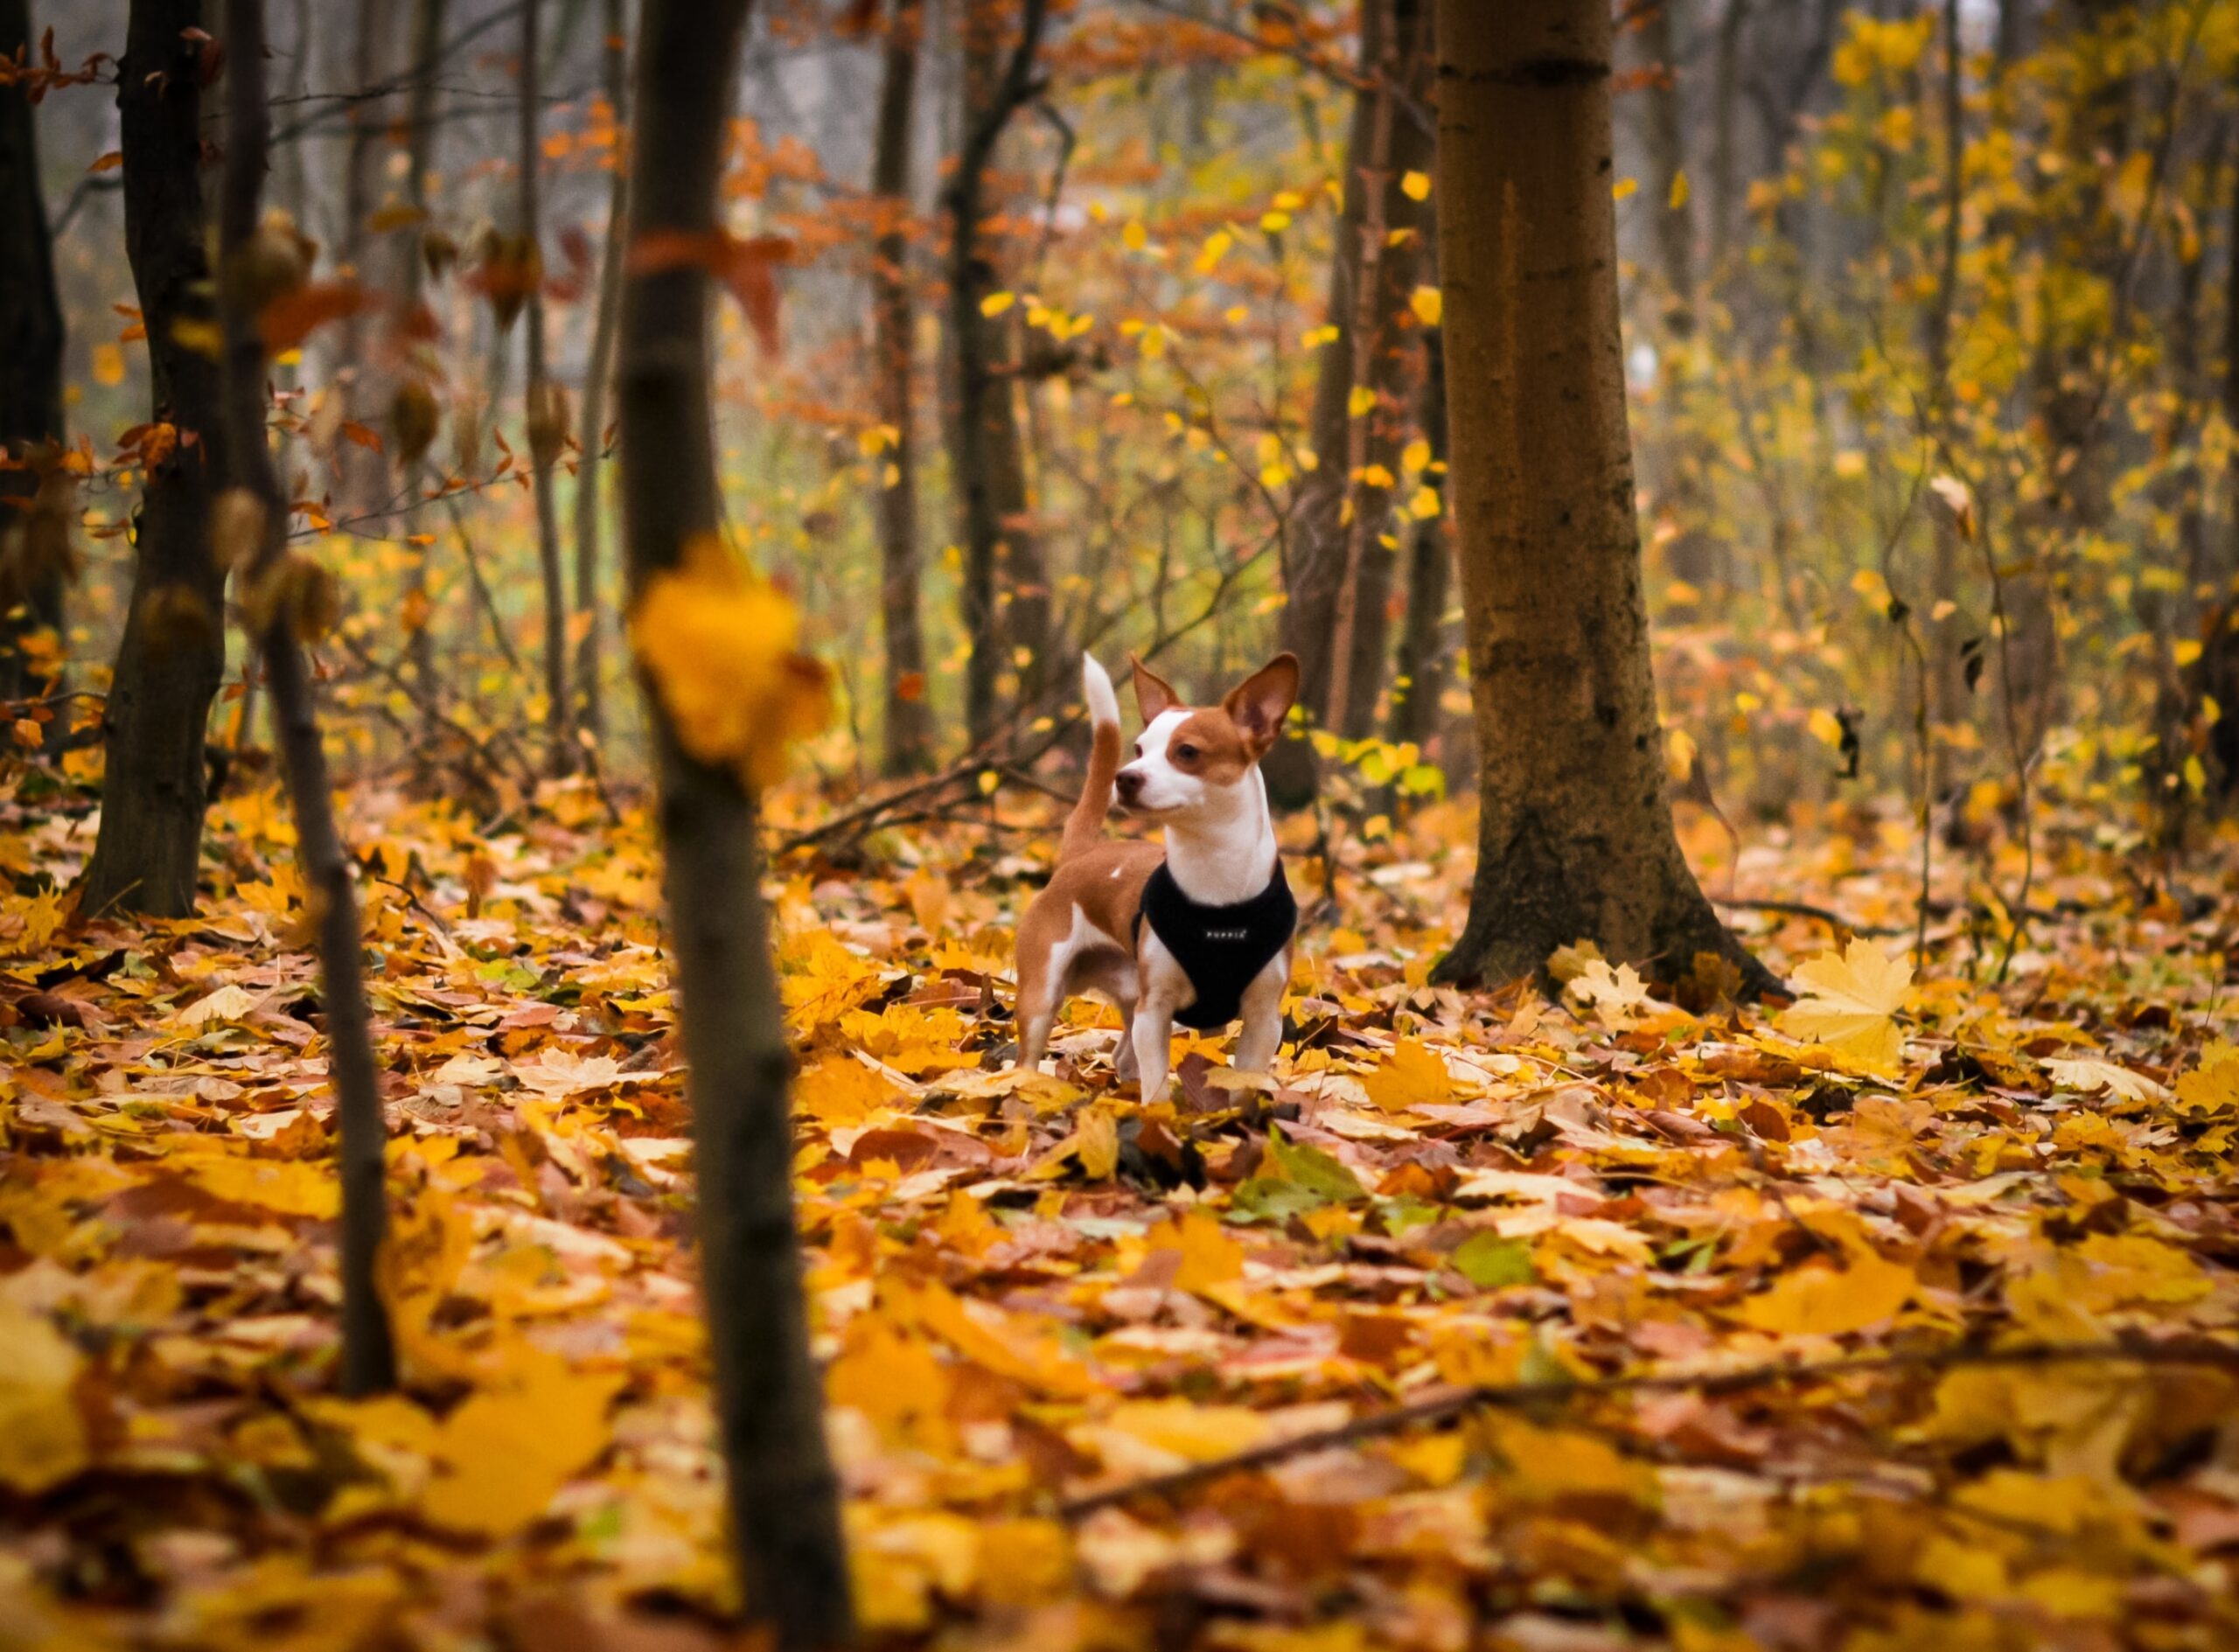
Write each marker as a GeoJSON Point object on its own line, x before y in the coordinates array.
{"type": "Point", "coordinates": [1446, 1407]}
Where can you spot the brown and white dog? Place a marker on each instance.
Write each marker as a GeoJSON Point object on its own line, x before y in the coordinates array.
{"type": "Point", "coordinates": [1196, 772]}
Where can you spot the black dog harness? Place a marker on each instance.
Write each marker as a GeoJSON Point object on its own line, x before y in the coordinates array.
{"type": "Point", "coordinates": [1222, 949]}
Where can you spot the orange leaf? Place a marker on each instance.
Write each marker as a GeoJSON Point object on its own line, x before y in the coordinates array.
{"type": "Point", "coordinates": [291, 318]}
{"type": "Point", "coordinates": [743, 266]}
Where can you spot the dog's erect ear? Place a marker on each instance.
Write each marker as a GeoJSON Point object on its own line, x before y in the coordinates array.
{"type": "Point", "coordinates": [1152, 693]}
{"type": "Point", "coordinates": [1259, 704]}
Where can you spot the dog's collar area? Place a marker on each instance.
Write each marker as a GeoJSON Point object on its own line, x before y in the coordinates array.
{"type": "Point", "coordinates": [1222, 949]}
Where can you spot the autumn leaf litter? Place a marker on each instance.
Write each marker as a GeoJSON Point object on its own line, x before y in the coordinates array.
{"type": "Point", "coordinates": [1031, 1289]}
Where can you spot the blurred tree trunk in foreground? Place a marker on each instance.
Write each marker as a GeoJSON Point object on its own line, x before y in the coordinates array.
{"type": "Point", "coordinates": [909, 731]}
{"type": "Point", "coordinates": [546, 408]}
{"type": "Point", "coordinates": [173, 651]}
{"type": "Point", "coordinates": [590, 704]}
{"type": "Point", "coordinates": [783, 1497]}
{"type": "Point", "coordinates": [1338, 574]}
{"type": "Point", "coordinates": [34, 557]}
{"type": "Point", "coordinates": [988, 464]}
{"type": "Point", "coordinates": [1575, 839]}
{"type": "Point", "coordinates": [281, 602]}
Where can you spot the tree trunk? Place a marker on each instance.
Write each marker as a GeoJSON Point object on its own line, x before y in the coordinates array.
{"type": "Point", "coordinates": [1339, 571]}
{"type": "Point", "coordinates": [1675, 225]}
{"type": "Point", "coordinates": [1725, 163]}
{"type": "Point", "coordinates": [1947, 670]}
{"type": "Point", "coordinates": [419, 121]}
{"type": "Point", "coordinates": [909, 731]}
{"type": "Point", "coordinates": [547, 418]}
{"type": "Point", "coordinates": [1575, 839]}
{"type": "Point", "coordinates": [173, 651]}
{"type": "Point", "coordinates": [783, 1494]}
{"type": "Point", "coordinates": [362, 472]}
{"type": "Point", "coordinates": [368, 1356]}
{"type": "Point", "coordinates": [1385, 360]}
{"type": "Point", "coordinates": [591, 433]}
{"type": "Point", "coordinates": [31, 373]}
{"type": "Point", "coordinates": [1416, 713]}
{"type": "Point", "coordinates": [989, 459]}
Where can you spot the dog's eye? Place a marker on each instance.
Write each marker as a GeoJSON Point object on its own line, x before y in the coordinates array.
{"type": "Point", "coordinates": [1139, 748]}
{"type": "Point", "coordinates": [1185, 751]}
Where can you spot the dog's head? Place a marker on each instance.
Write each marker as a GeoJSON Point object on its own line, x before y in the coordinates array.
{"type": "Point", "coordinates": [1191, 757]}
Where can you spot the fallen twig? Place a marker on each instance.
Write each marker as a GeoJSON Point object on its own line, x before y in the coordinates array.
{"type": "Point", "coordinates": [1440, 1408]}
{"type": "Point", "coordinates": [1833, 920]}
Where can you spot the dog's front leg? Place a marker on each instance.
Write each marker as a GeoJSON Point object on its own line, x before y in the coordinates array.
{"type": "Point", "coordinates": [1263, 1015]}
{"type": "Point", "coordinates": [1152, 1038]}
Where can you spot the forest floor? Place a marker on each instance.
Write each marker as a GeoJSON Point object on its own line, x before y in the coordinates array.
{"type": "Point", "coordinates": [1033, 1293]}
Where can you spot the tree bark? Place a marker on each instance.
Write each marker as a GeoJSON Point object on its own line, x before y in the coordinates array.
{"type": "Point", "coordinates": [1416, 713]}
{"type": "Point", "coordinates": [1947, 670]}
{"type": "Point", "coordinates": [1385, 361]}
{"type": "Point", "coordinates": [989, 457]}
{"type": "Point", "coordinates": [908, 738]}
{"type": "Point", "coordinates": [1338, 571]}
{"type": "Point", "coordinates": [368, 1356]}
{"type": "Point", "coordinates": [363, 473]}
{"type": "Point", "coordinates": [1726, 163]}
{"type": "Point", "coordinates": [784, 1496]}
{"type": "Point", "coordinates": [30, 373]}
{"type": "Point", "coordinates": [1675, 226]}
{"type": "Point", "coordinates": [590, 702]}
{"type": "Point", "coordinates": [173, 651]}
{"type": "Point", "coordinates": [420, 143]}
{"type": "Point", "coordinates": [546, 422]}
{"type": "Point", "coordinates": [1575, 838]}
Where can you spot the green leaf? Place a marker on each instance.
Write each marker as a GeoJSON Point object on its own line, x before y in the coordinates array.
{"type": "Point", "coordinates": [1488, 1261]}
{"type": "Point", "coordinates": [1312, 1168]}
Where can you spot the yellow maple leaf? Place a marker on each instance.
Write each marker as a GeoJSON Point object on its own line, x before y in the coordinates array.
{"type": "Point", "coordinates": [506, 1449]}
{"type": "Point", "coordinates": [895, 1381]}
{"type": "Point", "coordinates": [42, 1437]}
{"type": "Point", "coordinates": [1208, 1255]}
{"type": "Point", "coordinates": [840, 1091]}
{"type": "Point", "coordinates": [1819, 1300]}
{"type": "Point", "coordinates": [1429, 305]}
{"type": "Point", "coordinates": [1411, 1077]}
{"type": "Point", "coordinates": [1185, 1429]}
{"type": "Point", "coordinates": [1850, 1002]}
{"type": "Point", "coordinates": [719, 643]}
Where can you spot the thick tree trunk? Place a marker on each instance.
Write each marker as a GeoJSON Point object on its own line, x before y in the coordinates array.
{"type": "Point", "coordinates": [783, 1494]}
{"type": "Point", "coordinates": [173, 651]}
{"type": "Point", "coordinates": [368, 1356]}
{"type": "Point", "coordinates": [546, 420]}
{"type": "Point", "coordinates": [909, 731]}
{"type": "Point", "coordinates": [988, 461]}
{"type": "Point", "coordinates": [1575, 839]}
{"type": "Point", "coordinates": [591, 699]}
{"type": "Point", "coordinates": [31, 372]}
{"type": "Point", "coordinates": [420, 145]}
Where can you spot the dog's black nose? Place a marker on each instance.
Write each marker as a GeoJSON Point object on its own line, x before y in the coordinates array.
{"type": "Point", "coordinates": [1130, 783]}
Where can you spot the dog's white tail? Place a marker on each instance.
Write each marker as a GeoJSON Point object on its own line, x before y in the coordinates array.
{"type": "Point", "coordinates": [1085, 824]}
